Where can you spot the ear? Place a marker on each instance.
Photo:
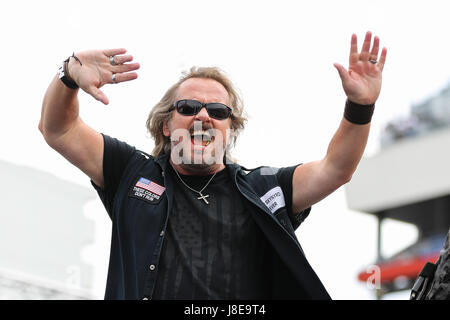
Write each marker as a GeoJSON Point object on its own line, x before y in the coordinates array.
{"type": "Point", "coordinates": [231, 136]}
{"type": "Point", "coordinates": [166, 130]}
{"type": "Point", "coordinates": [166, 127]}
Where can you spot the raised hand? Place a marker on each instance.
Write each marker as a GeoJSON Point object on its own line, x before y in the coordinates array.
{"type": "Point", "coordinates": [97, 68]}
{"type": "Point", "coordinates": [362, 81]}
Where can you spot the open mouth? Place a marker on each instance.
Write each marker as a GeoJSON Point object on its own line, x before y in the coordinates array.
{"type": "Point", "coordinates": [201, 138]}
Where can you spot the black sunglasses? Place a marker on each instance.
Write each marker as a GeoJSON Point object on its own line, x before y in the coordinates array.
{"type": "Point", "coordinates": [215, 110]}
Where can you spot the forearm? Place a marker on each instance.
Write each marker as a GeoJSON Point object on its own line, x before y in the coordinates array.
{"type": "Point", "coordinates": [346, 149]}
{"type": "Point", "coordinates": [362, 85]}
{"type": "Point", "coordinates": [59, 110]}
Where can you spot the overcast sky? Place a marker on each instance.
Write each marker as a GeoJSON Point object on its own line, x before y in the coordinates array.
{"type": "Point", "coordinates": [279, 53]}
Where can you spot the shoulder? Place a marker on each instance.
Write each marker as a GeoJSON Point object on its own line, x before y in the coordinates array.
{"type": "Point", "coordinates": [142, 159]}
{"type": "Point", "coordinates": [259, 178]}
{"type": "Point", "coordinates": [266, 172]}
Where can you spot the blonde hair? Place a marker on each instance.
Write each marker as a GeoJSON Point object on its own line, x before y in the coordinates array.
{"type": "Point", "coordinates": [160, 113]}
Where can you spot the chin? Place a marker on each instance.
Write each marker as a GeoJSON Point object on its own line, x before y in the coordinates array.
{"type": "Point", "coordinates": [196, 154]}
{"type": "Point", "coordinates": [199, 161]}
{"type": "Point", "coordinates": [202, 168]}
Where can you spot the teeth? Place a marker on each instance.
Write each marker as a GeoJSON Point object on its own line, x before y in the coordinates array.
{"type": "Point", "coordinates": [203, 134]}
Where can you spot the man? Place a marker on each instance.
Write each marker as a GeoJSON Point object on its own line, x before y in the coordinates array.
{"type": "Point", "coordinates": [188, 223]}
{"type": "Point", "coordinates": [433, 282]}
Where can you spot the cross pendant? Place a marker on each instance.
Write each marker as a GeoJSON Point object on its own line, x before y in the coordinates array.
{"type": "Point", "coordinates": [203, 197]}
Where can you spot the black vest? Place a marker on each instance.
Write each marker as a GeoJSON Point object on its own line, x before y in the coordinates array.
{"type": "Point", "coordinates": [139, 228]}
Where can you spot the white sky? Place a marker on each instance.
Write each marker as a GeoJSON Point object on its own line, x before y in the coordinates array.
{"type": "Point", "coordinates": [279, 53]}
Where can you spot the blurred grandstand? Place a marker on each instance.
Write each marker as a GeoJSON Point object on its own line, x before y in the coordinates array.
{"type": "Point", "coordinates": [430, 115]}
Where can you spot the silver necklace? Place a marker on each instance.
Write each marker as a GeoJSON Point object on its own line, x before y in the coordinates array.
{"type": "Point", "coordinates": [202, 197]}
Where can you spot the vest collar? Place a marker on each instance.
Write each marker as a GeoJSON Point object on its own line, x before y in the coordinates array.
{"type": "Point", "coordinates": [232, 167]}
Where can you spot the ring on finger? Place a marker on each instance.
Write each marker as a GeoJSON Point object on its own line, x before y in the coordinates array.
{"type": "Point", "coordinates": [111, 60]}
{"type": "Point", "coordinates": [373, 61]}
{"type": "Point", "coordinates": [114, 80]}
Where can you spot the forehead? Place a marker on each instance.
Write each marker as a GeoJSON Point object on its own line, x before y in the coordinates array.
{"type": "Point", "coordinates": [204, 90]}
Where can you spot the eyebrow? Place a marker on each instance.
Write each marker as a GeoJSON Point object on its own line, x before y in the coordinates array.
{"type": "Point", "coordinates": [201, 100]}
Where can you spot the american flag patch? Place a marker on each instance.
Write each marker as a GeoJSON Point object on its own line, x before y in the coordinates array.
{"type": "Point", "coordinates": [150, 186]}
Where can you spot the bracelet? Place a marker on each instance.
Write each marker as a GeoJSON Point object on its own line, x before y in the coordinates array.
{"type": "Point", "coordinates": [68, 81]}
{"type": "Point", "coordinates": [75, 57]}
{"type": "Point", "coordinates": [64, 74]}
{"type": "Point", "coordinates": [358, 113]}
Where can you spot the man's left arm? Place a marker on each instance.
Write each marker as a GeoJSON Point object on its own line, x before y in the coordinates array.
{"type": "Point", "coordinates": [315, 180]}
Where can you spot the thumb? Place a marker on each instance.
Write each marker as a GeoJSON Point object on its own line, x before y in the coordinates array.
{"type": "Point", "coordinates": [98, 95]}
{"type": "Point", "coordinates": [342, 72]}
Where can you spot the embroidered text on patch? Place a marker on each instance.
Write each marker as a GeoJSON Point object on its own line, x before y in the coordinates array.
{"type": "Point", "coordinates": [274, 199]}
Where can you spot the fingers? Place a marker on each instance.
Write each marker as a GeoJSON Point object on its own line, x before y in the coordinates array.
{"type": "Point", "coordinates": [121, 68]}
{"type": "Point", "coordinates": [354, 56]}
{"type": "Point", "coordinates": [364, 56]}
{"type": "Point", "coordinates": [367, 53]}
{"type": "Point", "coordinates": [122, 77]}
{"type": "Point", "coordinates": [120, 65]}
{"type": "Point", "coordinates": [113, 52]}
{"type": "Point", "coordinates": [119, 77]}
{"type": "Point", "coordinates": [98, 94]}
{"type": "Point", "coordinates": [375, 48]}
{"type": "Point", "coordinates": [342, 72]}
{"type": "Point", "coordinates": [120, 59]}
{"type": "Point", "coordinates": [382, 60]}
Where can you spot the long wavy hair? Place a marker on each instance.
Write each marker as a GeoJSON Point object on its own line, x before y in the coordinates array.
{"type": "Point", "coordinates": [159, 113]}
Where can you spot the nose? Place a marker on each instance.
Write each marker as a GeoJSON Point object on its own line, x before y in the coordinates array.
{"type": "Point", "coordinates": [202, 115]}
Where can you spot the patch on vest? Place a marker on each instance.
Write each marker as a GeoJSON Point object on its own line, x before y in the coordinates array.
{"type": "Point", "coordinates": [147, 190]}
{"type": "Point", "coordinates": [274, 199]}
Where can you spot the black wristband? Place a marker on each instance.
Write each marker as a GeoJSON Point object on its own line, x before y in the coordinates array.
{"type": "Point", "coordinates": [358, 113]}
{"type": "Point", "coordinates": [64, 74]}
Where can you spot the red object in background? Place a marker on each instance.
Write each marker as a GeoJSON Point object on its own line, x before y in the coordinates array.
{"type": "Point", "coordinates": [410, 268]}
{"type": "Point", "coordinates": [407, 263]}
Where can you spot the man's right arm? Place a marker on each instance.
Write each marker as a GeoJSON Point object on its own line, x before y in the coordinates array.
{"type": "Point", "coordinates": [65, 132]}
{"type": "Point", "coordinates": [60, 123]}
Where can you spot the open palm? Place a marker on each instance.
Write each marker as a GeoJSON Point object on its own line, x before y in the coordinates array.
{"type": "Point", "coordinates": [362, 81]}
{"type": "Point", "coordinates": [96, 70]}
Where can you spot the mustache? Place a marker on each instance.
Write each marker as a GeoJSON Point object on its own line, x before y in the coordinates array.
{"type": "Point", "coordinates": [200, 126]}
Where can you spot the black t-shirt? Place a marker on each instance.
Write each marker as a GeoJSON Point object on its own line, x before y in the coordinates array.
{"type": "Point", "coordinates": [213, 251]}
